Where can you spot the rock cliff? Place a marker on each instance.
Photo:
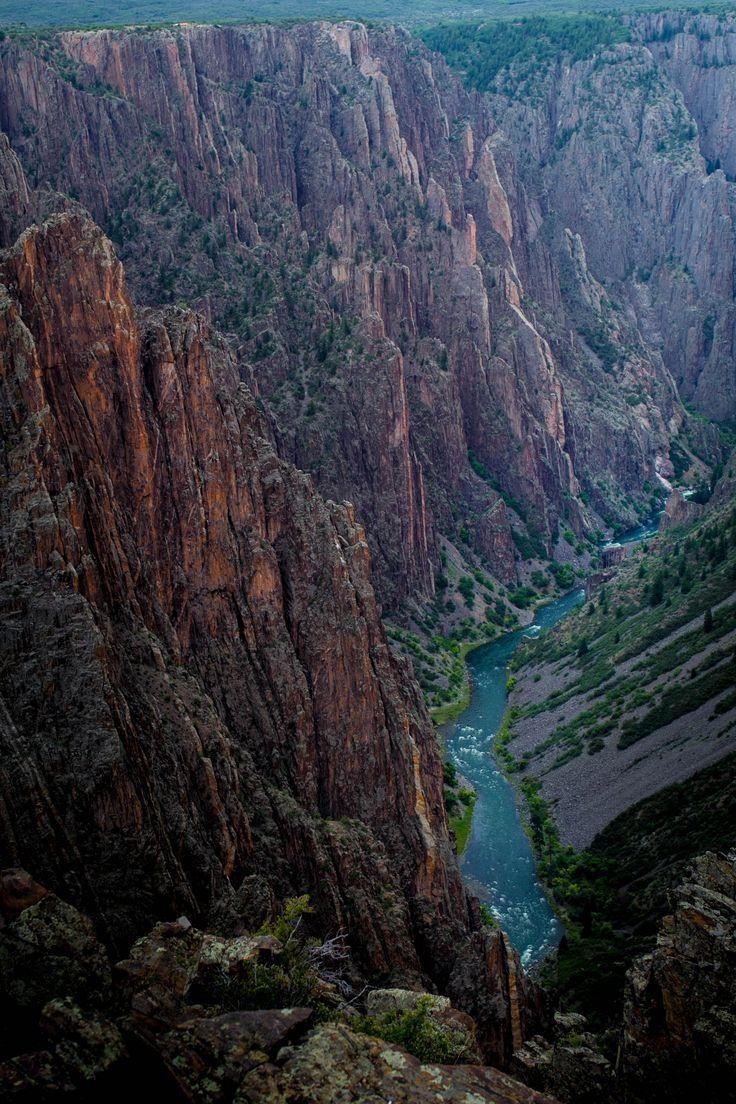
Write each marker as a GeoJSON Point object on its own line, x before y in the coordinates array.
{"type": "Point", "coordinates": [198, 1017]}
{"type": "Point", "coordinates": [631, 148]}
{"type": "Point", "coordinates": [355, 219]}
{"type": "Point", "coordinates": [678, 1030]}
{"type": "Point", "coordinates": [199, 708]}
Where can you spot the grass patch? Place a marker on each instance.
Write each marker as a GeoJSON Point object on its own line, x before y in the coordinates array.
{"type": "Point", "coordinates": [462, 823]}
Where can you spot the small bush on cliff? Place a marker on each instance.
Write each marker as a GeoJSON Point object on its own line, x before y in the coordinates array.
{"type": "Point", "coordinates": [466, 588]}
{"type": "Point", "coordinates": [417, 1031]}
{"type": "Point", "coordinates": [286, 982]}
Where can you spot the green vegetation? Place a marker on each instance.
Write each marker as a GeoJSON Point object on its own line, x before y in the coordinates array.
{"type": "Point", "coordinates": [461, 821]}
{"type": "Point", "coordinates": [439, 664]}
{"type": "Point", "coordinates": [480, 51]}
{"type": "Point", "coordinates": [88, 13]}
{"type": "Point", "coordinates": [613, 896]}
{"type": "Point", "coordinates": [290, 980]}
{"type": "Point", "coordinates": [417, 1031]}
{"type": "Point", "coordinates": [467, 589]}
{"type": "Point", "coordinates": [459, 803]}
{"type": "Point", "coordinates": [646, 649]}
{"type": "Point", "coordinates": [674, 583]}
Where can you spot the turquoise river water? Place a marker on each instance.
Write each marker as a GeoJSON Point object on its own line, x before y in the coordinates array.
{"type": "Point", "coordinates": [498, 864]}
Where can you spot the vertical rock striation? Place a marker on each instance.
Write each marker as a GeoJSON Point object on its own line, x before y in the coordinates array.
{"type": "Point", "coordinates": [336, 200]}
{"type": "Point", "coordinates": [678, 1029]}
{"type": "Point", "coordinates": [198, 703]}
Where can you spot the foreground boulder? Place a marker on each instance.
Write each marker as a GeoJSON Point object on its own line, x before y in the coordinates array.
{"type": "Point", "coordinates": [337, 1066]}
{"type": "Point", "coordinates": [207, 1018]}
{"type": "Point", "coordinates": [570, 1065]}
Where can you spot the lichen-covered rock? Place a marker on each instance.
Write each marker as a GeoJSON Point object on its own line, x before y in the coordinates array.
{"type": "Point", "coordinates": [337, 1066]}
{"type": "Point", "coordinates": [209, 1057]}
{"type": "Point", "coordinates": [168, 958]}
{"type": "Point", "coordinates": [87, 1045]}
{"type": "Point", "coordinates": [402, 1000]}
{"type": "Point", "coordinates": [51, 950]}
{"type": "Point", "coordinates": [571, 1066]}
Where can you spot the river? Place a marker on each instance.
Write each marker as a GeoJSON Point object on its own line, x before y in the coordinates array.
{"type": "Point", "coordinates": [498, 864]}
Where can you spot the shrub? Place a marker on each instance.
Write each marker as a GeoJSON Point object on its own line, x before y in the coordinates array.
{"type": "Point", "coordinates": [287, 982]}
{"type": "Point", "coordinates": [467, 589]}
{"type": "Point", "coordinates": [417, 1031]}
{"type": "Point", "coordinates": [450, 773]}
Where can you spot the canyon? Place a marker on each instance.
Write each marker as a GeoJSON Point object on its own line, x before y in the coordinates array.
{"type": "Point", "coordinates": [335, 200]}
{"type": "Point", "coordinates": [297, 332]}
{"type": "Point", "coordinates": [201, 712]}
{"type": "Point", "coordinates": [632, 150]}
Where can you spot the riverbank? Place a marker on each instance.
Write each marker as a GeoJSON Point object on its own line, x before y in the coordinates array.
{"type": "Point", "coordinates": [450, 711]}
{"type": "Point", "coordinates": [498, 862]}
{"type": "Point", "coordinates": [462, 826]}
{"type": "Point", "coordinates": [639, 693]}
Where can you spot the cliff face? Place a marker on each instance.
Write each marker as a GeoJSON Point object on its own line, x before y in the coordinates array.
{"type": "Point", "coordinates": [678, 1013]}
{"type": "Point", "coordinates": [628, 150]}
{"type": "Point", "coordinates": [336, 200]}
{"type": "Point", "coordinates": [199, 707]}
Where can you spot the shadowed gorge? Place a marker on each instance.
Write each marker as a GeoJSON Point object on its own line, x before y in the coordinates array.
{"type": "Point", "coordinates": [328, 353]}
{"type": "Point", "coordinates": [337, 201]}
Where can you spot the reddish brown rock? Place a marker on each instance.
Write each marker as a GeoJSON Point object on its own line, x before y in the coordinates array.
{"type": "Point", "coordinates": [307, 187]}
{"type": "Point", "coordinates": [209, 1058]}
{"type": "Point", "coordinates": [18, 891]}
{"type": "Point", "coordinates": [197, 688]}
{"type": "Point", "coordinates": [678, 1023]}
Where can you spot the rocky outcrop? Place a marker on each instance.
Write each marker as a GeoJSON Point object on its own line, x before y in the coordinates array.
{"type": "Point", "coordinates": [678, 1031]}
{"type": "Point", "coordinates": [14, 197]}
{"type": "Point", "coordinates": [337, 201]}
{"type": "Point", "coordinates": [199, 1017]}
{"type": "Point", "coordinates": [680, 511]}
{"type": "Point", "coordinates": [571, 1065]}
{"type": "Point", "coordinates": [200, 710]}
{"type": "Point", "coordinates": [361, 1069]}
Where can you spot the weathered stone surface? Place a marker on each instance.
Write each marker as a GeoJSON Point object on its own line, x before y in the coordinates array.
{"type": "Point", "coordinates": [168, 957]}
{"type": "Point", "coordinates": [51, 950]}
{"type": "Point", "coordinates": [209, 1057]}
{"type": "Point", "coordinates": [680, 511]}
{"type": "Point", "coordinates": [87, 1046]}
{"type": "Point", "coordinates": [401, 1000]}
{"type": "Point", "coordinates": [18, 890]}
{"type": "Point", "coordinates": [627, 143]}
{"type": "Point", "coordinates": [509, 1005]}
{"type": "Point", "coordinates": [571, 1066]}
{"type": "Point", "coordinates": [336, 1065]}
{"type": "Point", "coordinates": [679, 1000]}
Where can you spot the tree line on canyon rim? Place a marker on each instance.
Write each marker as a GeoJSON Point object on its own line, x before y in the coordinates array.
{"type": "Point", "coordinates": [84, 13]}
